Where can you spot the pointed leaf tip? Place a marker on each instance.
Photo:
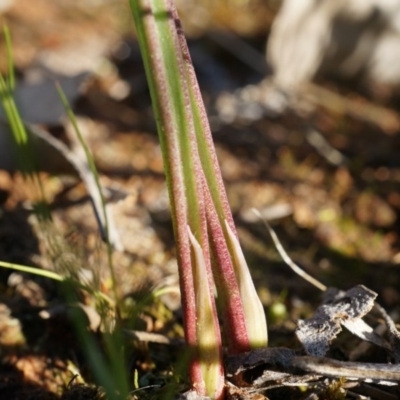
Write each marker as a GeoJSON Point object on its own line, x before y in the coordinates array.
{"type": "Point", "coordinates": [209, 348]}
{"type": "Point", "coordinates": [253, 310]}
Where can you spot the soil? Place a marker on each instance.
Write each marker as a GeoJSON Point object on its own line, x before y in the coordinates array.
{"type": "Point", "coordinates": [339, 222]}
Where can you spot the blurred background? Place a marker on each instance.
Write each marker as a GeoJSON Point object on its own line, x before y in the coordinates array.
{"type": "Point", "coordinates": [303, 101]}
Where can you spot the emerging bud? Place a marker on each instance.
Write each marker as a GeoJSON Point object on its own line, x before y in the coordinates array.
{"type": "Point", "coordinates": [254, 315]}
{"type": "Point", "coordinates": [209, 351]}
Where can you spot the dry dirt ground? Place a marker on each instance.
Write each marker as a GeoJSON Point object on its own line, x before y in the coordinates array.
{"type": "Point", "coordinates": [338, 220]}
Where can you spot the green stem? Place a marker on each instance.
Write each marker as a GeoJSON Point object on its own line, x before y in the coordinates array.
{"type": "Point", "coordinates": [156, 25]}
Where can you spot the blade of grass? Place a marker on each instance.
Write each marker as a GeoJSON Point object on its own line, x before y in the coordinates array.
{"type": "Point", "coordinates": [55, 277]}
{"type": "Point", "coordinates": [32, 270]}
{"type": "Point", "coordinates": [93, 169]}
{"type": "Point", "coordinates": [104, 373]}
{"type": "Point", "coordinates": [10, 60]}
{"type": "Point", "coordinates": [24, 152]}
{"type": "Point", "coordinates": [112, 336]}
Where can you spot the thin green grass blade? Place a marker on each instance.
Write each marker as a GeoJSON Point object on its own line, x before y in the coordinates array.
{"type": "Point", "coordinates": [113, 338]}
{"type": "Point", "coordinates": [17, 128]}
{"type": "Point", "coordinates": [115, 350]}
{"type": "Point", "coordinates": [103, 372]}
{"type": "Point", "coordinates": [93, 170]}
{"type": "Point", "coordinates": [7, 86]}
{"type": "Point", "coordinates": [56, 277]}
{"type": "Point", "coordinates": [24, 153]}
{"type": "Point", "coordinates": [10, 59]}
{"type": "Point", "coordinates": [32, 270]}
